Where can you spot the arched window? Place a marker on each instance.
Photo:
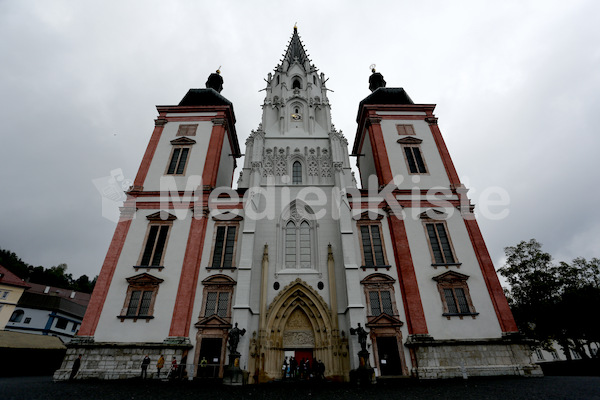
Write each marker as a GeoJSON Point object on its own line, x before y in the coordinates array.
{"type": "Point", "coordinates": [277, 81]}
{"type": "Point", "coordinates": [17, 316]}
{"type": "Point", "coordinates": [297, 173]}
{"type": "Point", "coordinates": [314, 79]}
{"type": "Point", "coordinates": [296, 84]}
{"type": "Point", "coordinates": [298, 237]}
{"type": "Point", "coordinates": [290, 244]}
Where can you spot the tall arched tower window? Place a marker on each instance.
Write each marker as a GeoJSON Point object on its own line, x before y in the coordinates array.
{"type": "Point", "coordinates": [290, 244]}
{"type": "Point", "coordinates": [296, 84]}
{"type": "Point", "coordinates": [297, 173]}
{"type": "Point", "coordinates": [298, 237]}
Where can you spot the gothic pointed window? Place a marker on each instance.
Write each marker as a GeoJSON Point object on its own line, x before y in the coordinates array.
{"type": "Point", "coordinates": [296, 84]}
{"type": "Point", "coordinates": [298, 237]}
{"type": "Point", "coordinates": [297, 173]}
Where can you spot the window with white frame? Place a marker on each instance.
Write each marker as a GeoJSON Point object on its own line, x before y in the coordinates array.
{"type": "Point", "coordinates": [411, 148]}
{"type": "Point", "coordinates": [455, 296]}
{"type": "Point", "coordinates": [218, 292]}
{"type": "Point", "coordinates": [371, 242]}
{"type": "Point", "coordinates": [224, 246]}
{"type": "Point", "coordinates": [182, 148]}
{"type": "Point", "coordinates": [157, 236]}
{"type": "Point", "coordinates": [140, 297]}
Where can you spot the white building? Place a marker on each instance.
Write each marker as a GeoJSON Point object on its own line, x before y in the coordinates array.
{"type": "Point", "coordinates": [298, 254]}
{"type": "Point", "coordinates": [48, 310]}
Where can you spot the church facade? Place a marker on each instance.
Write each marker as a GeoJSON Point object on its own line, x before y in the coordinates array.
{"type": "Point", "coordinates": [392, 274]}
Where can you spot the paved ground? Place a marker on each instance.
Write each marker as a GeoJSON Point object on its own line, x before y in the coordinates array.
{"type": "Point", "coordinates": [500, 388]}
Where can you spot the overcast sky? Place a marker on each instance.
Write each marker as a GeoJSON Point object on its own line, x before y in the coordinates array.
{"type": "Point", "coordinates": [516, 83]}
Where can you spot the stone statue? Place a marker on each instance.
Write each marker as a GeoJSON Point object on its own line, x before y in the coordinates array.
{"type": "Point", "coordinates": [362, 336]}
{"type": "Point", "coordinates": [234, 338]}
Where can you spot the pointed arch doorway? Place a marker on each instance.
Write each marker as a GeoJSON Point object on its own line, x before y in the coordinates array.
{"type": "Point", "coordinates": [298, 320]}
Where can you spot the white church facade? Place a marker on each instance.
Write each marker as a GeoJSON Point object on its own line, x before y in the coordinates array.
{"type": "Point", "coordinates": [298, 255]}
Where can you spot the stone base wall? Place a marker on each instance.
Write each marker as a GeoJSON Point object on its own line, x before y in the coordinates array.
{"type": "Point", "coordinates": [440, 360]}
{"type": "Point", "coordinates": [119, 360]}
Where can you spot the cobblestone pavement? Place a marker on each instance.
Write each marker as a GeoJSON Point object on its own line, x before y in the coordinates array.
{"type": "Point", "coordinates": [554, 387]}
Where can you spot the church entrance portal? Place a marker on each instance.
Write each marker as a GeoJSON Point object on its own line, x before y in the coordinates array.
{"type": "Point", "coordinates": [299, 321]}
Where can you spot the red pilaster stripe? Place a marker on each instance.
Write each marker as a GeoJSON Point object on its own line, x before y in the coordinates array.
{"type": "Point", "coordinates": [138, 183]}
{"type": "Point", "coordinates": [186, 292]}
{"type": "Point", "coordinates": [441, 145]}
{"type": "Point", "coordinates": [503, 312]}
{"type": "Point", "coordinates": [94, 309]}
{"type": "Point", "coordinates": [213, 155]}
{"type": "Point", "coordinates": [413, 308]}
{"type": "Point", "coordinates": [380, 156]}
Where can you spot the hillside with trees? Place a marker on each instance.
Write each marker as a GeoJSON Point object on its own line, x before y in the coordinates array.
{"type": "Point", "coordinates": [54, 276]}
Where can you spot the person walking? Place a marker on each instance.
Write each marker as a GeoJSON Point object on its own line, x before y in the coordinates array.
{"type": "Point", "coordinates": [76, 366]}
{"type": "Point", "coordinates": [145, 363]}
{"type": "Point", "coordinates": [160, 364]}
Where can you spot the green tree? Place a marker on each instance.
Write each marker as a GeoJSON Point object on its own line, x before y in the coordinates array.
{"type": "Point", "coordinates": [553, 301]}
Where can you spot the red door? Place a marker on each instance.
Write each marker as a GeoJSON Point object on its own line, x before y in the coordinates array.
{"type": "Point", "coordinates": [300, 354]}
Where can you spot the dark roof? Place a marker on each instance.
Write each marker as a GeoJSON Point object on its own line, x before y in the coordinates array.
{"type": "Point", "coordinates": [204, 97]}
{"type": "Point", "coordinates": [52, 303]}
{"type": "Point", "coordinates": [384, 95]}
{"type": "Point", "coordinates": [295, 49]}
{"type": "Point", "coordinates": [79, 297]}
{"type": "Point", "coordinates": [8, 278]}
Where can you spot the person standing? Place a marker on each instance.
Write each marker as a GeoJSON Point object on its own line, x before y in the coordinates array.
{"type": "Point", "coordinates": [284, 368]}
{"type": "Point", "coordinates": [203, 364]}
{"type": "Point", "coordinates": [173, 372]}
{"type": "Point", "coordinates": [76, 365]}
{"type": "Point", "coordinates": [145, 363]}
{"type": "Point", "coordinates": [160, 364]}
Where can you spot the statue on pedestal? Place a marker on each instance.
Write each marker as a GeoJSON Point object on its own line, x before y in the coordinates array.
{"type": "Point", "coordinates": [234, 338]}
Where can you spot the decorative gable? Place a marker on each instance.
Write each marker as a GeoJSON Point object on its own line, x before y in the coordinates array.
{"type": "Point", "coordinates": [144, 279]}
{"type": "Point", "coordinates": [161, 216]}
{"type": "Point", "coordinates": [384, 321]}
{"type": "Point", "coordinates": [410, 140]}
{"type": "Point", "coordinates": [451, 277]}
{"type": "Point", "coordinates": [183, 141]}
